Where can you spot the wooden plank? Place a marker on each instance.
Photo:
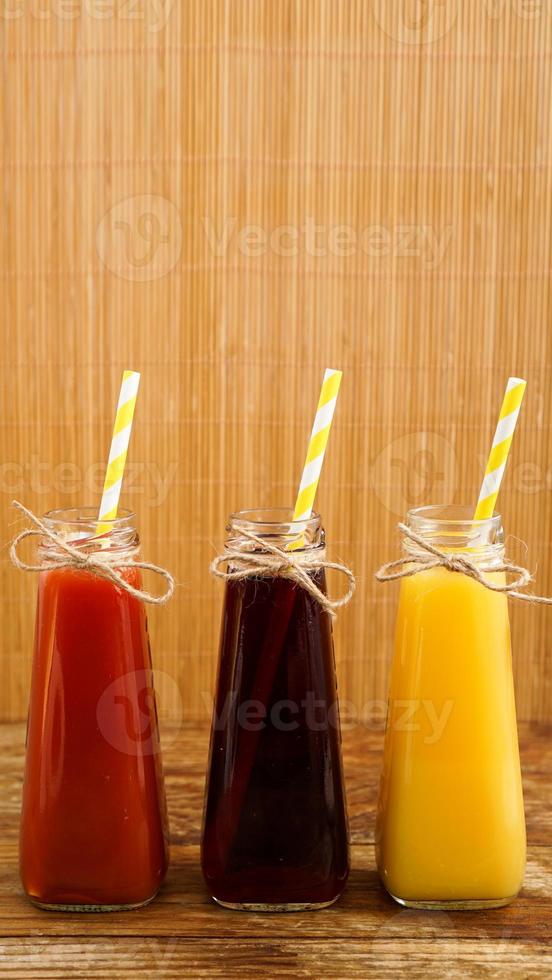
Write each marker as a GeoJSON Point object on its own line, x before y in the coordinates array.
{"type": "Point", "coordinates": [184, 933]}
{"type": "Point", "coordinates": [382, 957]}
{"type": "Point", "coordinates": [184, 909]}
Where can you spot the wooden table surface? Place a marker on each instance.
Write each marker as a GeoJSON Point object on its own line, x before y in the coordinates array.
{"type": "Point", "coordinates": [365, 934]}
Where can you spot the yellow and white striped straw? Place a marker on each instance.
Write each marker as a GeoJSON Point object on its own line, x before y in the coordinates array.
{"type": "Point", "coordinates": [515, 390]}
{"type": "Point", "coordinates": [317, 448]}
{"type": "Point", "coordinates": [118, 452]}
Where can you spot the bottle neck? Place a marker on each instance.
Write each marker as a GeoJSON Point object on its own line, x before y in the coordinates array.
{"type": "Point", "coordinates": [258, 530]}
{"type": "Point", "coordinates": [79, 528]}
{"type": "Point", "coordinates": [453, 530]}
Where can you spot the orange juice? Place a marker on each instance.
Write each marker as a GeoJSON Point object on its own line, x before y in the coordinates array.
{"type": "Point", "coordinates": [450, 827]}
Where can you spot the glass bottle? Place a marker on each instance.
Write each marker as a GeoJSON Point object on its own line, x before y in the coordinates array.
{"type": "Point", "coordinates": [275, 825]}
{"type": "Point", "coordinates": [93, 823]}
{"type": "Point", "coordinates": [450, 827]}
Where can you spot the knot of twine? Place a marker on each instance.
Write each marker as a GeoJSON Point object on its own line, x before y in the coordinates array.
{"type": "Point", "coordinates": [101, 565]}
{"type": "Point", "coordinates": [278, 563]}
{"type": "Point", "coordinates": [433, 557]}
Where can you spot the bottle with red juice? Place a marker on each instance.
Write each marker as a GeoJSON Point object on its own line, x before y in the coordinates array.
{"type": "Point", "coordinates": [93, 824]}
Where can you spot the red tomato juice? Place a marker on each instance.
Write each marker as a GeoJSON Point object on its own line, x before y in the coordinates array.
{"type": "Point", "coordinates": [93, 827]}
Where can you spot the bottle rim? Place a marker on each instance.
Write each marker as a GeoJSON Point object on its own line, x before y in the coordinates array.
{"type": "Point", "coordinates": [79, 526]}
{"type": "Point", "coordinates": [451, 516]}
{"type": "Point", "coordinates": [277, 525]}
{"type": "Point", "coordinates": [273, 520]}
{"type": "Point", "coordinates": [83, 516]}
{"type": "Point", "coordinates": [452, 527]}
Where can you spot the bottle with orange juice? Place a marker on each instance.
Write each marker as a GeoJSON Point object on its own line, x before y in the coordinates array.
{"type": "Point", "coordinates": [450, 828]}
{"type": "Point", "coordinates": [450, 825]}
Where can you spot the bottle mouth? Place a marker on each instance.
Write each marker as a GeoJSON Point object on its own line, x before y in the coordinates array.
{"type": "Point", "coordinates": [275, 524]}
{"type": "Point", "coordinates": [453, 528]}
{"type": "Point", "coordinates": [81, 517]}
{"type": "Point", "coordinates": [79, 527]}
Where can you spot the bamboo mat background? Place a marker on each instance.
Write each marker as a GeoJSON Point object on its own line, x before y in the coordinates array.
{"type": "Point", "coordinates": [176, 182]}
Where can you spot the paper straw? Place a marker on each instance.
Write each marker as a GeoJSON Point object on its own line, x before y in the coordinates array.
{"type": "Point", "coordinates": [118, 452]}
{"type": "Point", "coordinates": [515, 390]}
{"type": "Point", "coordinates": [316, 449]}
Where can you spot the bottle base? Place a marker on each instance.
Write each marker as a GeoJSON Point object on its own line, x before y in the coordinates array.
{"type": "Point", "coordinates": [453, 905]}
{"type": "Point", "coordinates": [70, 907]}
{"type": "Point", "coordinates": [276, 907]}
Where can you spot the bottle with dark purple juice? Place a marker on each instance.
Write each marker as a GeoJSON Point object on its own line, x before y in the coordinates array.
{"type": "Point", "coordinates": [275, 825]}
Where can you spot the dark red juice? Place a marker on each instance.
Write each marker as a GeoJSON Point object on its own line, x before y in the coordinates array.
{"type": "Point", "coordinates": [275, 827]}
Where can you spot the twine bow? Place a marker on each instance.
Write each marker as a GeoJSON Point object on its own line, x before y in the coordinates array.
{"type": "Point", "coordinates": [433, 557]}
{"type": "Point", "coordinates": [102, 565]}
{"type": "Point", "coordinates": [278, 563]}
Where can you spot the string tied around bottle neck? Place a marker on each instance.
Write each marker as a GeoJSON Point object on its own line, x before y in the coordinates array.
{"type": "Point", "coordinates": [259, 557]}
{"type": "Point", "coordinates": [103, 564]}
{"type": "Point", "coordinates": [432, 557]}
